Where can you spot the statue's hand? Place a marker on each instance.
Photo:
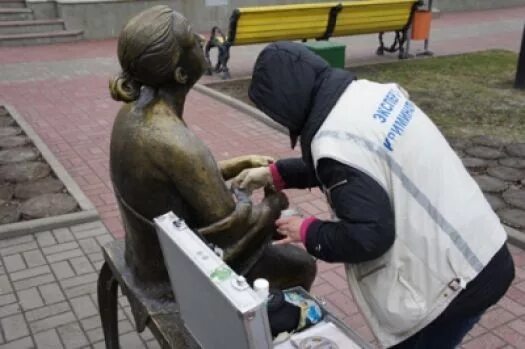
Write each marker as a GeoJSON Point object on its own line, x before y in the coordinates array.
{"type": "Point", "coordinates": [260, 160]}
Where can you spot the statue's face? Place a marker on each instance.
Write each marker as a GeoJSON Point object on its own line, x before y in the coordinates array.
{"type": "Point", "coordinates": [191, 62]}
{"type": "Point", "coordinates": [196, 57]}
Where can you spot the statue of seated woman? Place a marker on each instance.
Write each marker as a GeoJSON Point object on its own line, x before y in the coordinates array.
{"type": "Point", "coordinates": [159, 165]}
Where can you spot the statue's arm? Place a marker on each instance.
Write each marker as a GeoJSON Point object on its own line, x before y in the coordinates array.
{"type": "Point", "coordinates": [189, 164]}
{"type": "Point", "coordinates": [232, 167]}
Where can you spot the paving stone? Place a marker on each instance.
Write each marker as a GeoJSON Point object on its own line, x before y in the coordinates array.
{"type": "Point", "coordinates": [5, 285]}
{"type": "Point", "coordinates": [7, 299]}
{"type": "Point", "coordinates": [18, 248]}
{"type": "Point", "coordinates": [30, 299]}
{"type": "Point", "coordinates": [24, 343]}
{"type": "Point", "coordinates": [14, 327]}
{"type": "Point", "coordinates": [34, 281]}
{"type": "Point", "coordinates": [96, 257]}
{"type": "Point", "coordinates": [13, 141]}
{"type": "Point", "coordinates": [6, 193]}
{"type": "Point", "coordinates": [99, 345]}
{"type": "Point", "coordinates": [46, 185]}
{"type": "Point", "coordinates": [83, 307]}
{"type": "Point", "coordinates": [64, 255]}
{"type": "Point", "coordinates": [9, 213]}
{"type": "Point", "coordinates": [10, 131]}
{"type": "Point", "coordinates": [495, 201]}
{"type": "Point", "coordinates": [24, 171]}
{"type": "Point", "coordinates": [131, 341]}
{"type": "Point", "coordinates": [48, 340]}
{"type": "Point", "coordinates": [79, 280]}
{"type": "Point", "coordinates": [10, 309]}
{"type": "Point", "coordinates": [489, 141]}
{"type": "Point", "coordinates": [16, 241]}
{"type": "Point", "coordinates": [47, 311]}
{"type": "Point", "coordinates": [63, 235]}
{"type": "Point", "coordinates": [91, 323]}
{"type": "Point", "coordinates": [51, 293]}
{"type": "Point", "coordinates": [48, 205]}
{"type": "Point", "coordinates": [89, 233]}
{"type": "Point", "coordinates": [485, 341]}
{"type": "Point", "coordinates": [104, 239]}
{"type": "Point", "coordinates": [125, 326]}
{"type": "Point", "coordinates": [29, 273]}
{"type": "Point", "coordinates": [6, 120]}
{"type": "Point", "coordinates": [490, 184]}
{"type": "Point", "coordinates": [14, 262]}
{"type": "Point", "coordinates": [513, 217]}
{"type": "Point", "coordinates": [52, 322]}
{"type": "Point", "coordinates": [89, 288]}
{"type": "Point", "coordinates": [9, 156]}
{"type": "Point", "coordinates": [89, 245]}
{"type": "Point", "coordinates": [506, 173]}
{"type": "Point", "coordinates": [147, 335]}
{"type": "Point", "coordinates": [81, 265]}
{"type": "Point", "coordinates": [483, 152]}
{"type": "Point", "coordinates": [516, 149]}
{"type": "Point", "coordinates": [34, 258]}
{"type": "Point", "coordinates": [96, 334]}
{"type": "Point", "coordinates": [62, 270]}
{"type": "Point", "coordinates": [515, 197]}
{"type": "Point", "coordinates": [513, 162]}
{"type": "Point", "coordinates": [72, 336]}
{"type": "Point", "coordinates": [87, 226]}
{"type": "Point", "coordinates": [50, 250]}
{"type": "Point", "coordinates": [45, 239]}
{"type": "Point", "coordinates": [153, 344]}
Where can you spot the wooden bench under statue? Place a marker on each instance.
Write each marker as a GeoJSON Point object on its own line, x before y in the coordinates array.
{"type": "Point", "coordinates": [158, 165]}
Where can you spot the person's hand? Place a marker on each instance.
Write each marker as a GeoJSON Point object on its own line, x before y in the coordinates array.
{"type": "Point", "coordinates": [253, 178]}
{"type": "Point", "coordinates": [289, 227]}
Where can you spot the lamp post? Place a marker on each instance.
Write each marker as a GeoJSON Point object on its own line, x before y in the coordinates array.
{"type": "Point", "coordinates": [520, 73]}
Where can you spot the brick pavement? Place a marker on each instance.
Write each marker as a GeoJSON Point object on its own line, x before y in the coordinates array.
{"type": "Point", "coordinates": [62, 92]}
{"type": "Point", "coordinates": [48, 291]}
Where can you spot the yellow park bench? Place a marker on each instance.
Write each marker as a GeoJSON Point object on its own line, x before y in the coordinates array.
{"type": "Point", "coordinates": [319, 21]}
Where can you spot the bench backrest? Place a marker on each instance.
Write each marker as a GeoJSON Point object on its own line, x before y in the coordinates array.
{"type": "Point", "coordinates": [373, 16]}
{"type": "Point", "coordinates": [252, 25]}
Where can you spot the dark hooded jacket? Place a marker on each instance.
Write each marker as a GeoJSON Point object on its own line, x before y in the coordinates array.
{"type": "Point", "coordinates": [298, 89]}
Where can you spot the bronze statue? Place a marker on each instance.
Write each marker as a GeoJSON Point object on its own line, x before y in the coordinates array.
{"type": "Point", "coordinates": [158, 164]}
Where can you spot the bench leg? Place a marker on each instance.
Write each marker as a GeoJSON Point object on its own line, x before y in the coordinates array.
{"type": "Point", "coordinates": [107, 305]}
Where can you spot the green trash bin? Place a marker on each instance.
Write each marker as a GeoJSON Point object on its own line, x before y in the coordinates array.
{"type": "Point", "coordinates": [332, 52]}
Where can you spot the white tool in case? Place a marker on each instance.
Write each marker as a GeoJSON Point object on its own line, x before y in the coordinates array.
{"type": "Point", "coordinates": [221, 310]}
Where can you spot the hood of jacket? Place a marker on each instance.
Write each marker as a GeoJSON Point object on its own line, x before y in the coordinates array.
{"type": "Point", "coordinates": [297, 89]}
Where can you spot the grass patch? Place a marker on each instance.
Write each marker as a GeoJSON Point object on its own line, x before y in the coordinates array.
{"type": "Point", "coordinates": [465, 95]}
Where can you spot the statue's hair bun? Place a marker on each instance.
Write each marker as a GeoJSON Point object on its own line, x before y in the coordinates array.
{"type": "Point", "coordinates": [123, 88]}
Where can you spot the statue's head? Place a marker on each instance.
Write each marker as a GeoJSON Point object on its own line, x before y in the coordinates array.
{"type": "Point", "coordinates": [157, 48]}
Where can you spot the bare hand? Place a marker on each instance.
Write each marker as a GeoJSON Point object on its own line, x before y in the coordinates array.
{"type": "Point", "coordinates": [289, 227]}
{"type": "Point", "coordinates": [253, 178]}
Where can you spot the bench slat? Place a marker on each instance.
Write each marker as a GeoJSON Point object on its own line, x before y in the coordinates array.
{"type": "Point", "coordinates": [252, 25]}
{"type": "Point", "coordinates": [362, 17]}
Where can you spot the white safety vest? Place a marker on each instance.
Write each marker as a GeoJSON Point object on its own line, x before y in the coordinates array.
{"type": "Point", "coordinates": [446, 232]}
